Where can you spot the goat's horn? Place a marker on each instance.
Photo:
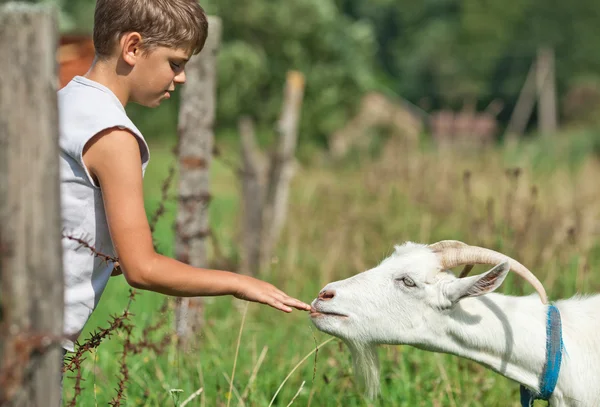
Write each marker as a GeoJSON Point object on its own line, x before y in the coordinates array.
{"type": "Point", "coordinates": [453, 253]}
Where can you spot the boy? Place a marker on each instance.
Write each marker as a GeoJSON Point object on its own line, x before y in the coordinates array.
{"type": "Point", "coordinates": [142, 47]}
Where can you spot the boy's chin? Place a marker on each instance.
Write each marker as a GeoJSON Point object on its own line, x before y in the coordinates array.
{"type": "Point", "coordinates": [151, 101]}
{"type": "Point", "coordinates": [150, 104]}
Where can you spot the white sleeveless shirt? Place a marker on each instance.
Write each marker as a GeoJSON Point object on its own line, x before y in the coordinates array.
{"type": "Point", "coordinates": [85, 108]}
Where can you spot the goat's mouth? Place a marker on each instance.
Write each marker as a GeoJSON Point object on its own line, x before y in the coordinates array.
{"type": "Point", "coordinates": [315, 313]}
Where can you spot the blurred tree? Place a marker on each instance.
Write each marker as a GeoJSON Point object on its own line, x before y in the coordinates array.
{"type": "Point", "coordinates": [419, 44]}
{"type": "Point", "coordinates": [264, 39]}
{"type": "Point", "coordinates": [443, 52]}
{"type": "Point", "coordinates": [512, 31]}
{"type": "Point", "coordinates": [74, 15]}
{"type": "Point", "coordinates": [450, 50]}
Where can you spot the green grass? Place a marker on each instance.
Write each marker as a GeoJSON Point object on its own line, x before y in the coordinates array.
{"type": "Point", "coordinates": [344, 218]}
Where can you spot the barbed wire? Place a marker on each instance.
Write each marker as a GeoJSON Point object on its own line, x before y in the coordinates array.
{"type": "Point", "coordinates": [124, 322]}
{"type": "Point", "coordinates": [26, 344]}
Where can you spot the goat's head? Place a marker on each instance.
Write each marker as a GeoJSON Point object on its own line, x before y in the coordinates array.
{"type": "Point", "coordinates": [390, 303]}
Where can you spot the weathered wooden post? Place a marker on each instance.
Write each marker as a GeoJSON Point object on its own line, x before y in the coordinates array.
{"type": "Point", "coordinates": [523, 108]}
{"type": "Point", "coordinates": [196, 118]}
{"type": "Point", "coordinates": [546, 90]}
{"type": "Point", "coordinates": [265, 184]}
{"type": "Point", "coordinates": [282, 166]}
{"type": "Point", "coordinates": [30, 228]}
{"type": "Point", "coordinates": [540, 83]}
{"type": "Point", "coordinates": [253, 179]}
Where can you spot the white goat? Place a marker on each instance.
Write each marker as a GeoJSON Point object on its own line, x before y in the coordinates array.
{"type": "Point", "coordinates": [412, 298]}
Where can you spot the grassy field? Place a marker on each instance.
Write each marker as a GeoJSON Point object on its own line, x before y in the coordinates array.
{"type": "Point", "coordinates": [537, 202]}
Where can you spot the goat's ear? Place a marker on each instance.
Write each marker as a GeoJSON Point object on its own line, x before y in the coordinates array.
{"type": "Point", "coordinates": [477, 285]}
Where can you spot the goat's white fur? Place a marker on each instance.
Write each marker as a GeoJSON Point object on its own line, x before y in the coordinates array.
{"type": "Point", "coordinates": [461, 317]}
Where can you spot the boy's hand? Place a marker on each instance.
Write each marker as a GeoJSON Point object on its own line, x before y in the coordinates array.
{"type": "Point", "coordinates": [252, 289]}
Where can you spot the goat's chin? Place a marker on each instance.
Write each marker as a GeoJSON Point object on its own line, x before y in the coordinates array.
{"type": "Point", "coordinates": [330, 325]}
{"type": "Point", "coordinates": [366, 366]}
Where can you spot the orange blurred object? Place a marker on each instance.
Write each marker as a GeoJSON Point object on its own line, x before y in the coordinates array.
{"type": "Point", "coordinates": [75, 56]}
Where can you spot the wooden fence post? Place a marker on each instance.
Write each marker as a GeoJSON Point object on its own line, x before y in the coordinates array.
{"type": "Point", "coordinates": [523, 108]}
{"type": "Point", "coordinates": [540, 83]}
{"type": "Point", "coordinates": [196, 118]}
{"type": "Point", "coordinates": [546, 90]}
{"type": "Point", "coordinates": [265, 184]}
{"type": "Point", "coordinates": [30, 227]}
{"type": "Point", "coordinates": [253, 178]}
{"type": "Point", "coordinates": [282, 167]}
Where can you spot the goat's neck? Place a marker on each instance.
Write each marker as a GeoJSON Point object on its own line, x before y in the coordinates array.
{"type": "Point", "coordinates": [506, 334]}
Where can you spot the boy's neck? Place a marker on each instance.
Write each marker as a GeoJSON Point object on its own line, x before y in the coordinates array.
{"type": "Point", "coordinates": [110, 74]}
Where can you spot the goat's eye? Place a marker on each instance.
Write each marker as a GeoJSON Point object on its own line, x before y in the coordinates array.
{"type": "Point", "coordinates": [407, 281]}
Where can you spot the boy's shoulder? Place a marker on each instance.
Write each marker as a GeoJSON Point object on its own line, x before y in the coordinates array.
{"type": "Point", "coordinates": [94, 104]}
{"type": "Point", "coordinates": [85, 109]}
{"type": "Point", "coordinates": [81, 92]}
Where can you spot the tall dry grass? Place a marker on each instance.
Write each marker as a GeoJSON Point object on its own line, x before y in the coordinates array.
{"type": "Point", "coordinates": [344, 218]}
{"type": "Point", "coordinates": [349, 219]}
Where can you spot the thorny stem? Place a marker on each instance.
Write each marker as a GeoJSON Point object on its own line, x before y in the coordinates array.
{"type": "Point", "coordinates": [74, 363]}
{"type": "Point", "coordinates": [123, 322]}
{"type": "Point", "coordinates": [95, 252]}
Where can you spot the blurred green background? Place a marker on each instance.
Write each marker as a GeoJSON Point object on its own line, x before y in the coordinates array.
{"type": "Point", "coordinates": [432, 54]}
{"type": "Point", "coordinates": [536, 200]}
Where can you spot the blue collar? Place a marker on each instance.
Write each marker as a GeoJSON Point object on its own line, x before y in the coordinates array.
{"type": "Point", "coordinates": [554, 350]}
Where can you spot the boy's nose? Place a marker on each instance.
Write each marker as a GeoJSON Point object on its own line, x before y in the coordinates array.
{"type": "Point", "coordinates": [180, 78]}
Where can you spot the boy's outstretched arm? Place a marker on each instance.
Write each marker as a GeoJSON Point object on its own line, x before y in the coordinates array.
{"type": "Point", "coordinates": [113, 159]}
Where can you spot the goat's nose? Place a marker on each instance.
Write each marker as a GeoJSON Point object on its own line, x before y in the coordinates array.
{"type": "Point", "coordinates": [326, 295]}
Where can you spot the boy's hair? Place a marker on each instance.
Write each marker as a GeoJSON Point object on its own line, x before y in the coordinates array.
{"type": "Point", "coordinates": [168, 23]}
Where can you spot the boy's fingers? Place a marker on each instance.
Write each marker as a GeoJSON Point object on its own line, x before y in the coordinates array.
{"type": "Point", "coordinates": [279, 292]}
{"type": "Point", "coordinates": [297, 304]}
{"type": "Point", "coordinates": [282, 301]}
{"type": "Point", "coordinates": [280, 306]}
{"type": "Point", "coordinates": [283, 297]}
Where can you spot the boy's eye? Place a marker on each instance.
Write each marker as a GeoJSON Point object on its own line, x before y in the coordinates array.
{"type": "Point", "coordinates": [176, 66]}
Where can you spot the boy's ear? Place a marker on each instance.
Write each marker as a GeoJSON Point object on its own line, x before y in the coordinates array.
{"type": "Point", "coordinates": [130, 46]}
{"type": "Point", "coordinates": [475, 286]}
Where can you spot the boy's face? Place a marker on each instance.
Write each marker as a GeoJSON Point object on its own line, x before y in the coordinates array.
{"type": "Point", "coordinates": [155, 74]}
